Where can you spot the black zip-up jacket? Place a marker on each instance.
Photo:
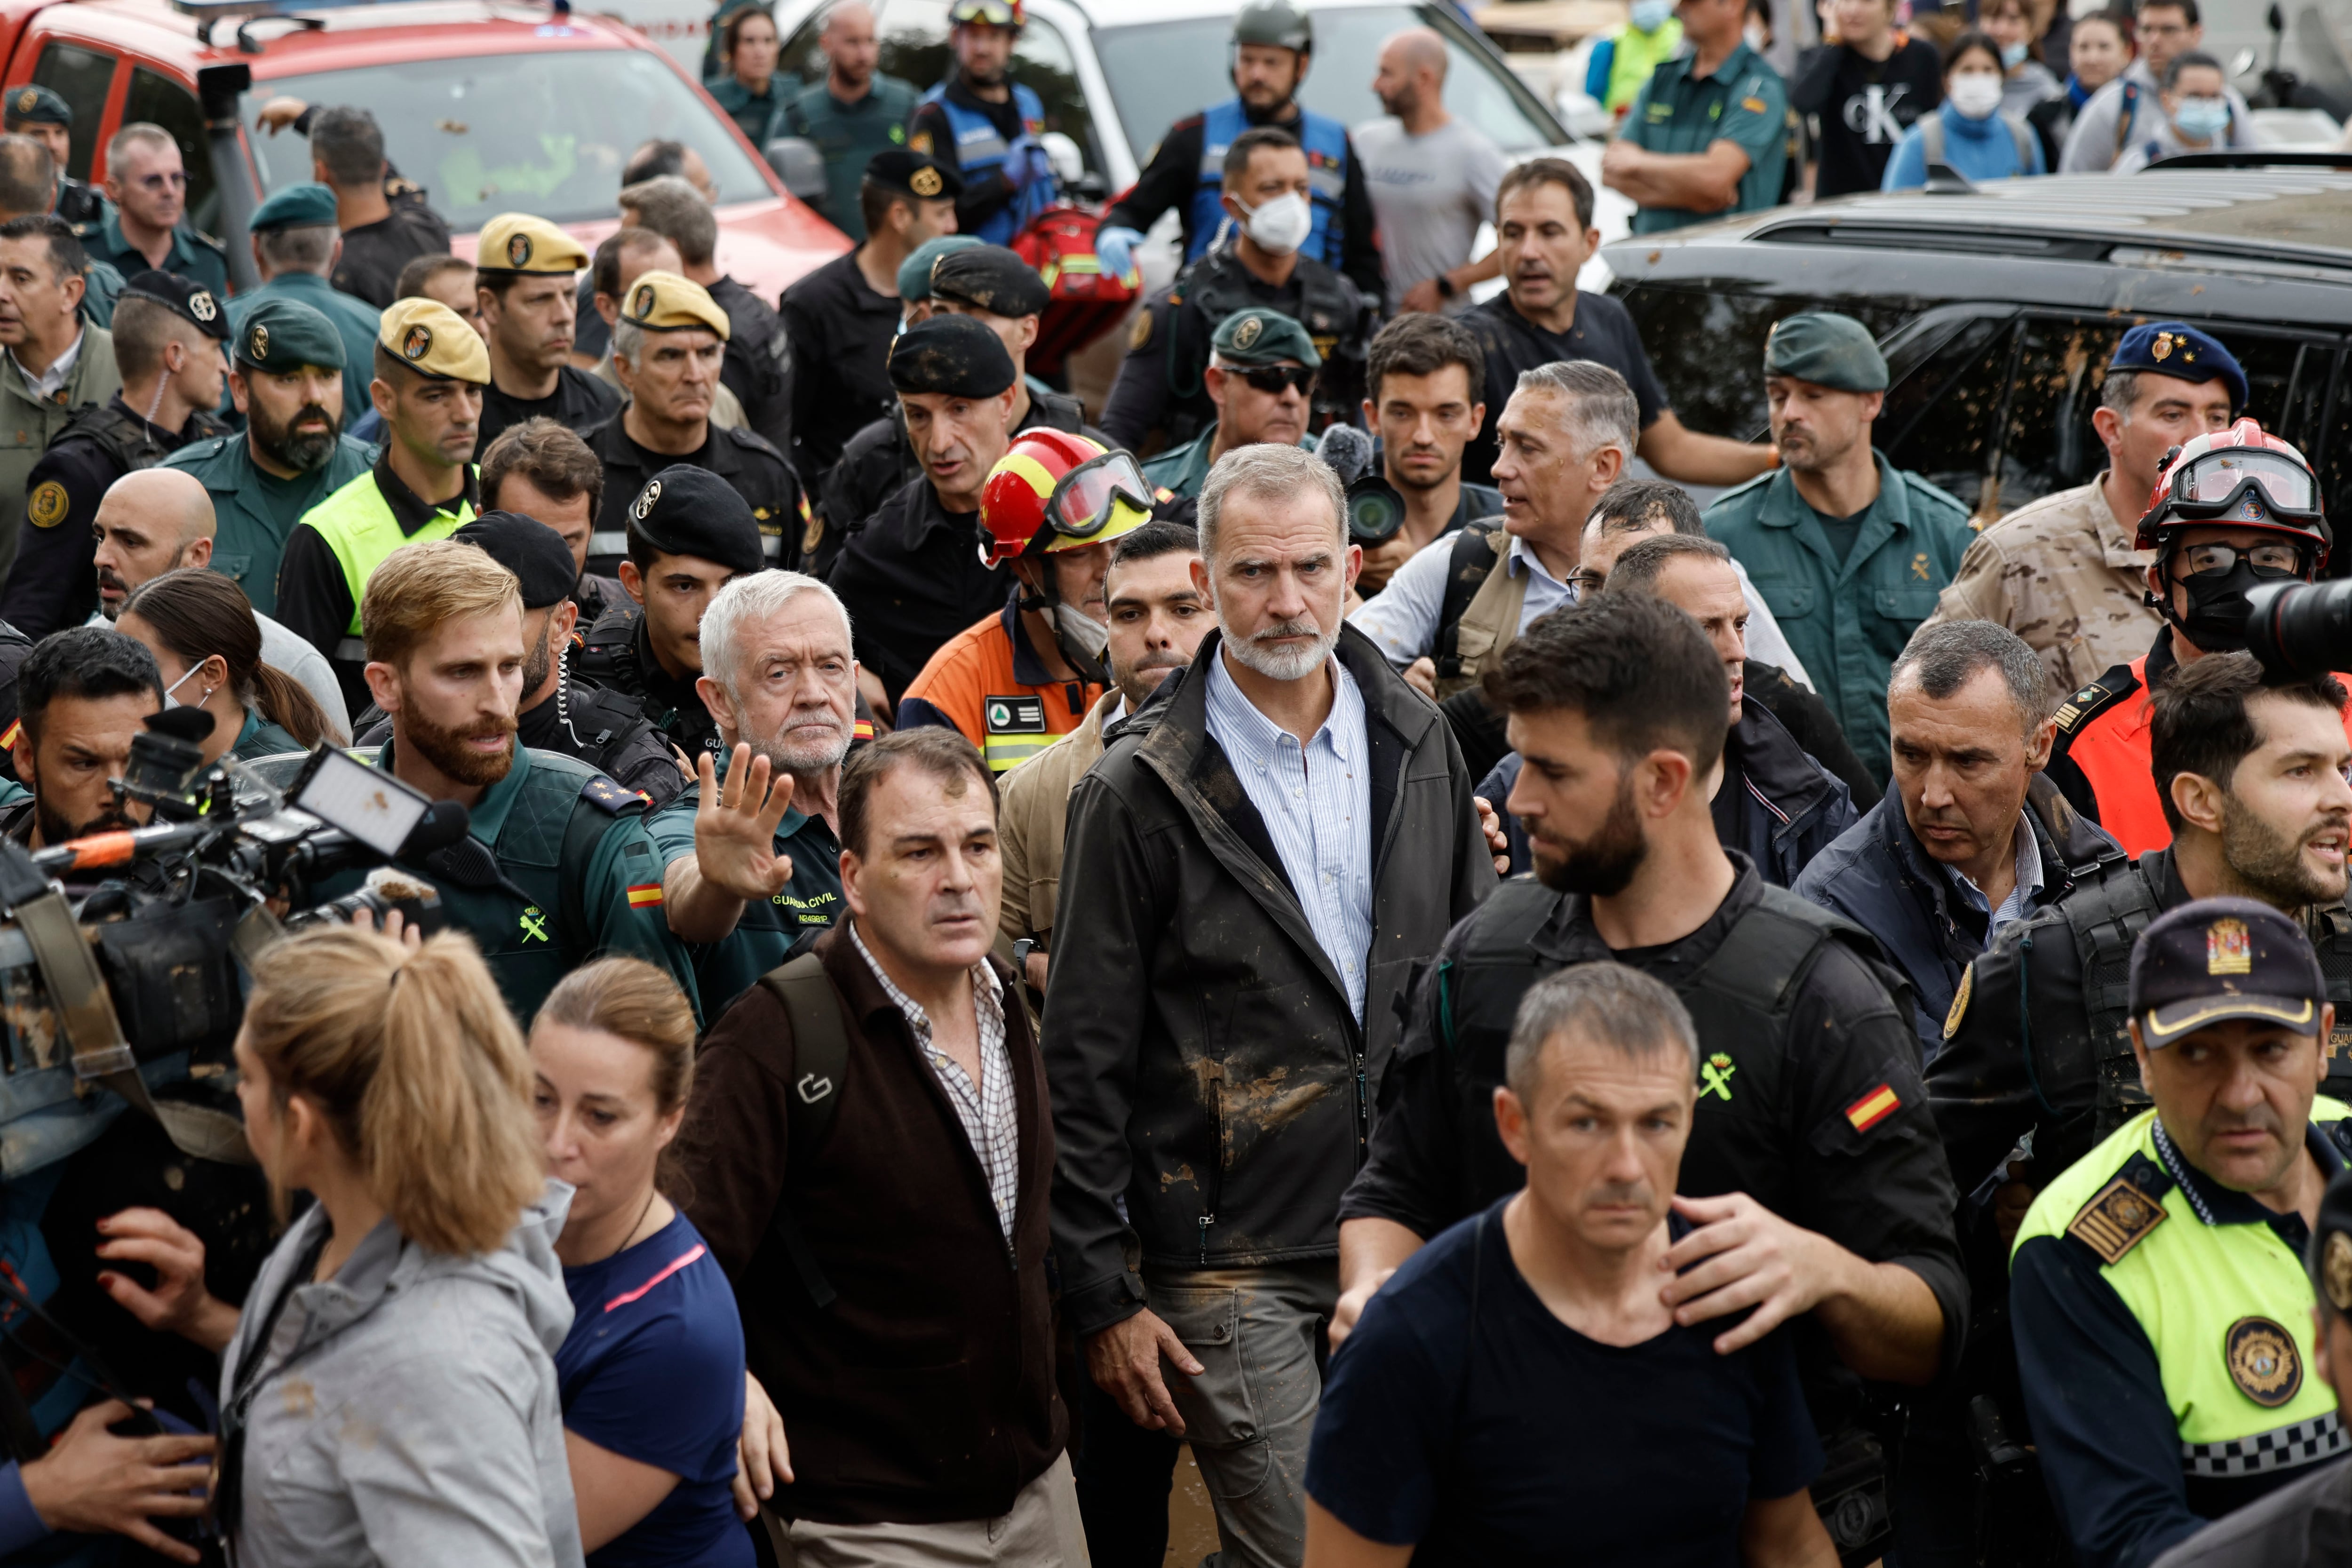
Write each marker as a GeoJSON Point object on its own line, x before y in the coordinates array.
{"type": "Point", "coordinates": [1204, 1062]}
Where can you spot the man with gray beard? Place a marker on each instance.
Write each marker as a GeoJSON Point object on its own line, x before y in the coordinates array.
{"type": "Point", "coordinates": [753, 848]}
{"type": "Point", "coordinates": [1250, 872]}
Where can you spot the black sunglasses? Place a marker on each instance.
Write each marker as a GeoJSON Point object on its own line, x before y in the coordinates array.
{"type": "Point", "coordinates": [1270, 379]}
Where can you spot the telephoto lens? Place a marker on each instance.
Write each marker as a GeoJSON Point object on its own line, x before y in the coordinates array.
{"type": "Point", "coordinates": [2301, 629]}
{"type": "Point", "coordinates": [1375, 510]}
{"type": "Point", "coordinates": [387, 888]}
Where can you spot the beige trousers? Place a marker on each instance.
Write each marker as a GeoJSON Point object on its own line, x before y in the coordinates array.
{"type": "Point", "coordinates": [1042, 1530]}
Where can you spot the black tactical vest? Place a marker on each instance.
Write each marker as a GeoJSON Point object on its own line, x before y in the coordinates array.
{"type": "Point", "coordinates": [1217, 285]}
{"type": "Point", "coordinates": [1740, 1000]}
{"type": "Point", "coordinates": [128, 440]}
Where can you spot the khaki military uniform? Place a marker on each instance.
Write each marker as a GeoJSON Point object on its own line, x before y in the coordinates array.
{"type": "Point", "coordinates": [2062, 573]}
{"type": "Point", "coordinates": [28, 425]}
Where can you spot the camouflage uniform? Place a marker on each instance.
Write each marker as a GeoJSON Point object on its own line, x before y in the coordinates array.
{"type": "Point", "coordinates": [2062, 573]}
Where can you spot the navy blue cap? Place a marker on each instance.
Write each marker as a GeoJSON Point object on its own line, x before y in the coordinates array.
{"type": "Point", "coordinates": [2181, 352]}
{"type": "Point", "coordinates": [2213, 960]}
{"type": "Point", "coordinates": [526, 547]}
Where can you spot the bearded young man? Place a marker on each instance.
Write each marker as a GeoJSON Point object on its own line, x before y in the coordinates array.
{"type": "Point", "coordinates": [556, 867]}
{"type": "Point", "coordinates": [82, 694]}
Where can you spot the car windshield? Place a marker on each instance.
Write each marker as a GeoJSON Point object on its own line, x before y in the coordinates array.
{"type": "Point", "coordinates": [1162, 71]}
{"type": "Point", "coordinates": [547, 132]}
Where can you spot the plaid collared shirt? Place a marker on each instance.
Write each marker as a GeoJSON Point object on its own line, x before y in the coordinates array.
{"type": "Point", "coordinates": [986, 1109]}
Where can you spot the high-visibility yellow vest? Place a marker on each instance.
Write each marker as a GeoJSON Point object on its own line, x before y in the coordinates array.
{"type": "Point", "coordinates": [358, 526]}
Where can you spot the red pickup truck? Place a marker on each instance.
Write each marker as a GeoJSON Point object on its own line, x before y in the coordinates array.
{"type": "Point", "coordinates": [491, 107]}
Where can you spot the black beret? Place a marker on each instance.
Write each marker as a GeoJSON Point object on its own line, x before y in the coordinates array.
{"type": "Point", "coordinates": [185, 297]}
{"type": "Point", "coordinates": [533, 552]}
{"type": "Point", "coordinates": [687, 510]}
{"type": "Point", "coordinates": [913, 174]}
{"type": "Point", "coordinates": [953, 354]}
{"type": "Point", "coordinates": [990, 277]}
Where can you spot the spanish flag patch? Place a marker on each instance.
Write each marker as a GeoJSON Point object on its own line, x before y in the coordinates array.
{"type": "Point", "coordinates": [645, 896]}
{"type": "Point", "coordinates": [9, 737]}
{"type": "Point", "coordinates": [1873, 1107]}
{"type": "Point", "coordinates": [862, 730]}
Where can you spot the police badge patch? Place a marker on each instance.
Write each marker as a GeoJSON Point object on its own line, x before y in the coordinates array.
{"type": "Point", "coordinates": [641, 304]}
{"type": "Point", "coordinates": [2263, 1362]}
{"type": "Point", "coordinates": [519, 250]}
{"type": "Point", "coordinates": [257, 347]}
{"type": "Point", "coordinates": [48, 504]}
{"type": "Point", "coordinates": [202, 306]}
{"type": "Point", "coordinates": [646, 499]}
{"type": "Point", "coordinates": [417, 344]}
{"type": "Point", "coordinates": [1248, 333]}
{"type": "Point", "coordinates": [2118, 1220]}
{"type": "Point", "coordinates": [925, 182]}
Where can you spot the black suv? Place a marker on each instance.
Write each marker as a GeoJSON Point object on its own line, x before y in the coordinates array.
{"type": "Point", "coordinates": [1998, 308]}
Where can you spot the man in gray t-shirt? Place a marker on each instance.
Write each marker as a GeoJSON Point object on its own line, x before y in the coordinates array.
{"type": "Point", "coordinates": [1432, 179]}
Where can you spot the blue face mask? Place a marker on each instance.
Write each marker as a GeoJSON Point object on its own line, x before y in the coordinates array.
{"type": "Point", "coordinates": [1649, 15]}
{"type": "Point", "coordinates": [2202, 118]}
{"type": "Point", "coordinates": [2012, 55]}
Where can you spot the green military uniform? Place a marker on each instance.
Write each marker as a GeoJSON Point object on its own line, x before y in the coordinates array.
{"type": "Point", "coordinates": [28, 424]}
{"type": "Point", "coordinates": [194, 254]}
{"type": "Point", "coordinates": [849, 135]}
{"type": "Point", "coordinates": [101, 287]}
{"type": "Point", "coordinates": [766, 932]}
{"type": "Point", "coordinates": [260, 737]}
{"type": "Point", "coordinates": [1744, 101]}
{"type": "Point", "coordinates": [355, 321]}
{"type": "Point", "coordinates": [570, 875]}
{"type": "Point", "coordinates": [1847, 614]}
{"type": "Point", "coordinates": [1178, 473]}
{"type": "Point", "coordinates": [759, 115]}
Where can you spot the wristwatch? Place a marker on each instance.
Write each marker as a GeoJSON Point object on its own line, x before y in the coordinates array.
{"type": "Point", "coordinates": [1445, 290]}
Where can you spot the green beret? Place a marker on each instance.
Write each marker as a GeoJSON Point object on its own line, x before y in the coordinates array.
{"type": "Point", "coordinates": [915, 272]}
{"type": "Point", "coordinates": [283, 335]}
{"type": "Point", "coordinates": [305, 206]}
{"type": "Point", "coordinates": [1258, 337]}
{"type": "Point", "coordinates": [32, 105]}
{"type": "Point", "coordinates": [1828, 349]}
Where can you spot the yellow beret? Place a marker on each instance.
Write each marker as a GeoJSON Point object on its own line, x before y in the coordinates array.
{"type": "Point", "coordinates": [433, 340]}
{"type": "Point", "coordinates": [518, 242]}
{"type": "Point", "coordinates": [662, 301]}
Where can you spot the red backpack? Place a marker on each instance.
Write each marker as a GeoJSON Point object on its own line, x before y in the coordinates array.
{"type": "Point", "coordinates": [1086, 302]}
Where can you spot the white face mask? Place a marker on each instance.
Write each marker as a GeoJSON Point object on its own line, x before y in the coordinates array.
{"type": "Point", "coordinates": [1282, 224]}
{"type": "Point", "coordinates": [1649, 15]}
{"type": "Point", "coordinates": [172, 701]}
{"type": "Point", "coordinates": [1974, 96]}
{"type": "Point", "coordinates": [1079, 631]}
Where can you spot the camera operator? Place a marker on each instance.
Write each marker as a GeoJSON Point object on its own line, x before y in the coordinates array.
{"type": "Point", "coordinates": [1425, 379]}
{"type": "Point", "coordinates": [81, 695]}
{"type": "Point", "coordinates": [2234, 510]}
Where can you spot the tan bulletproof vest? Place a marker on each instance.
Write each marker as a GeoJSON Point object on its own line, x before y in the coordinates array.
{"type": "Point", "coordinates": [1487, 625]}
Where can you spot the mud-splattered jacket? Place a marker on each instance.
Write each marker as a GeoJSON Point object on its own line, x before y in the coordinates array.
{"type": "Point", "coordinates": [1204, 1060]}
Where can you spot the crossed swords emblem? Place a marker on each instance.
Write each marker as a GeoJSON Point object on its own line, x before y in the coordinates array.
{"type": "Point", "coordinates": [1716, 1072]}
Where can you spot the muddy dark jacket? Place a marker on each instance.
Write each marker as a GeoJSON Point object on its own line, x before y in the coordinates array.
{"type": "Point", "coordinates": [1204, 1062]}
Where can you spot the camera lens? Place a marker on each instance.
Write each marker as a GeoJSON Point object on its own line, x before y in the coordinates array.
{"type": "Point", "coordinates": [2301, 629]}
{"type": "Point", "coordinates": [1375, 511]}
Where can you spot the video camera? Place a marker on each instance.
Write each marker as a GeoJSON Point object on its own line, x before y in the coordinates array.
{"type": "Point", "coordinates": [2301, 629]}
{"type": "Point", "coordinates": [123, 948]}
{"type": "Point", "coordinates": [1375, 508]}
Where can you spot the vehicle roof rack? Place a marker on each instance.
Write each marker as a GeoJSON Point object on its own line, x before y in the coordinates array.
{"type": "Point", "coordinates": [245, 12]}
{"type": "Point", "coordinates": [2250, 158]}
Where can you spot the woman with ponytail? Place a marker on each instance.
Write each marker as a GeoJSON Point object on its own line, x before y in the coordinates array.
{"type": "Point", "coordinates": [390, 1395]}
{"type": "Point", "coordinates": [652, 1374]}
{"type": "Point", "coordinates": [199, 626]}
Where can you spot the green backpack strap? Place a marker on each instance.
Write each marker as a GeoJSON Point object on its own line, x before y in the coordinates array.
{"type": "Point", "coordinates": [820, 1058]}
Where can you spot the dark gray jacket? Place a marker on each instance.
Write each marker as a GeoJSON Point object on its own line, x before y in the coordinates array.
{"type": "Point", "coordinates": [1204, 1062]}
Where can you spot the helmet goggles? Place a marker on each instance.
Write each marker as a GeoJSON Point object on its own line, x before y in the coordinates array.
{"type": "Point", "coordinates": [2244, 484]}
{"type": "Point", "coordinates": [993, 12]}
{"type": "Point", "coordinates": [1084, 499]}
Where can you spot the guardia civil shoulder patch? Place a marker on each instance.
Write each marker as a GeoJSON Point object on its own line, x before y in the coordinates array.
{"type": "Point", "coordinates": [1961, 1002]}
{"type": "Point", "coordinates": [2118, 1220]}
{"type": "Point", "coordinates": [48, 504]}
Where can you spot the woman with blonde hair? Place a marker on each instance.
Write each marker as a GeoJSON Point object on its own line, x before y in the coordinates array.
{"type": "Point", "coordinates": [389, 1394]}
{"type": "Point", "coordinates": [652, 1374]}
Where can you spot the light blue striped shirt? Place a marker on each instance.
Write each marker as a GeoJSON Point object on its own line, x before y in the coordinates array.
{"type": "Point", "coordinates": [1317, 802]}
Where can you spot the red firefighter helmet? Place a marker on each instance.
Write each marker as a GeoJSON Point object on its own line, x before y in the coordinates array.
{"type": "Point", "coordinates": [2238, 477]}
{"type": "Point", "coordinates": [1053, 491]}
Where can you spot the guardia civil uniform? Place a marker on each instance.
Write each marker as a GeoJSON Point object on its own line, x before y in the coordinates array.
{"type": "Point", "coordinates": [339, 542]}
{"type": "Point", "coordinates": [850, 135]}
{"type": "Point", "coordinates": [2163, 1321]}
{"type": "Point", "coordinates": [1846, 612]}
{"type": "Point", "coordinates": [254, 510]}
{"type": "Point", "coordinates": [556, 868]}
{"type": "Point", "coordinates": [78, 202]}
{"type": "Point", "coordinates": [1743, 102]}
{"type": "Point", "coordinates": [1249, 339]}
{"type": "Point", "coordinates": [312, 205]}
{"type": "Point", "coordinates": [193, 254]}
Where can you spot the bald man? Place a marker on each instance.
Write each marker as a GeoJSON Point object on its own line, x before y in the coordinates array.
{"type": "Point", "coordinates": [1431, 178]}
{"type": "Point", "coordinates": [153, 520]}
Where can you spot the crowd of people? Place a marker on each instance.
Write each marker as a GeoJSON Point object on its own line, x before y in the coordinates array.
{"type": "Point", "coordinates": [1567, 995]}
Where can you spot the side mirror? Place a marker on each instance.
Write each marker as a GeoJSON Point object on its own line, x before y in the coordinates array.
{"type": "Point", "coordinates": [799, 166]}
{"type": "Point", "coordinates": [2242, 62]}
{"type": "Point", "coordinates": [2277, 23]}
{"type": "Point", "coordinates": [1069, 163]}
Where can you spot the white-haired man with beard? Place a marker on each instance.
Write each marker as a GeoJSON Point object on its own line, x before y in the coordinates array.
{"type": "Point", "coordinates": [753, 847]}
{"type": "Point", "coordinates": [1254, 864]}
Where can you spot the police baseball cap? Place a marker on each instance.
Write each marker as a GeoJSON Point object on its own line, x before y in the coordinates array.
{"type": "Point", "coordinates": [1257, 337]}
{"type": "Point", "coordinates": [663, 302]}
{"type": "Point", "coordinates": [286, 335]}
{"type": "Point", "coordinates": [2179, 351]}
{"type": "Point", "coordinates": [907, 173]}
{"type": "Point", "coordinates": [306, 205]}
{"type": "Point", "coordinates": [2330, 1258]}
{"type": "Point", "coordinates": [954, 355]}
{"type": "Point", "coordinates": [185, 297]}
{"type": "Point", "coordinates": [915, 272]}
{"type": "Point", "coordinates": [1828, 349]}
{"type": "Point", "coordinates": [990, 277]}
{"type": "Point", "coordinates": [518, 242]}
{"type": "Point", "coordinates": [526, 547]}
{"type": "Point", "coordinates": [2213, 960]}
{"type": "Point", "coordinates": [687, 510]}
{"type": "Point", "coordinates": [30, 105]}
{"type": "Point", "coordinates": [434, 341]}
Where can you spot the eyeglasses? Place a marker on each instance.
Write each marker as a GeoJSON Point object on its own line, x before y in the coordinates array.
{"type": "Point", "coordinates": [1270, 379]}
{"type": "Point", "coordinates": [175, 180]}
{"type": "Point", "coordinates": [1083, 500]}
{"type": "Point", "coordinates": [2279, 560]}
